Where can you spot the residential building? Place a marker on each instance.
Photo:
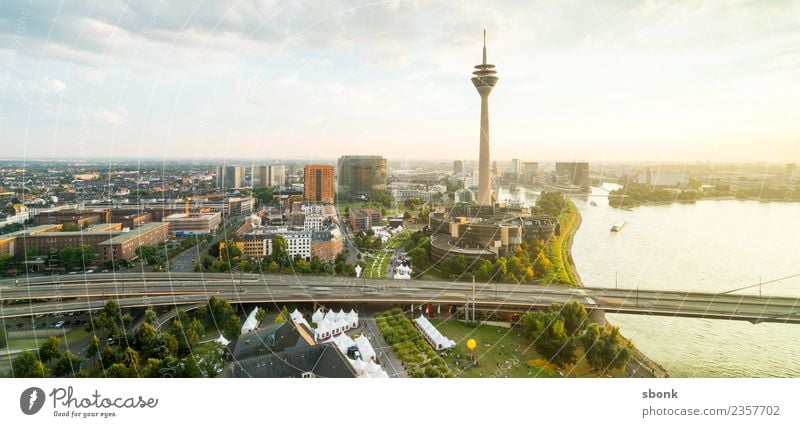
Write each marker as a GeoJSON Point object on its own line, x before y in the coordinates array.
{"type": "Point", "coordinates": [192, 224]}
{"type": "Point", "coordinates": [318, 185]}
{"type": "Point", "coordinates": [363, 218]}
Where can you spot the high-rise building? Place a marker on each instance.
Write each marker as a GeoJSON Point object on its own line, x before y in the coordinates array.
{"type": "Point", "coordinates": [318, 185]}
{"type": "Point", "coordinates": [573, 173]}
{"type": "Point", "coordinates": [277, 175]}
{"type": "Point", "coordinates": [528, 172]}
{"type": "Point", "coordinates": [515, 166]}
{"type": "Point", "coordinates": [484, 81]}
{"type": "Point", "coordinates": [230, 177]}
{"type": "Point", "coordinates": [362, 174]}
{"type": "Point", "coordinates": [260, 176]}
{"type": "Point", "coordinates": [458, 167]}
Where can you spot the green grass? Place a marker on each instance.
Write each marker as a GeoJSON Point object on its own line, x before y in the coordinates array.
{"type": "Point", "coordinates": [378, 263]}
{"type": "Point", "coordinates": [508, 352]}
{"type": "Point", "coordinates": [29, 343]}
{"type": "Point", "coordinates": [557, 249]}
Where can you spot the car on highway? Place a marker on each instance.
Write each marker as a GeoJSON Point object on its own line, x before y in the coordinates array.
{"type": "Point", "coordinates": [58, 324]}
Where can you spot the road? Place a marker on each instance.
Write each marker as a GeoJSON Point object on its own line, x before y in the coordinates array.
{"type": "Point", "coordinates": [143, 289]}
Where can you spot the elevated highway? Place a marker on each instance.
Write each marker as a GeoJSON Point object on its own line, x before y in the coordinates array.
{"type": "Point", "coordinates": [70, 293]}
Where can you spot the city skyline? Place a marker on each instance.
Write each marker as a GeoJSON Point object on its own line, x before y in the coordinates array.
{"type": "Point", "coordinates": [630, 81]}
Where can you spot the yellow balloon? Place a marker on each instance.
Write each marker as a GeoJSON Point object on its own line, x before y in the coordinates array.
{"type": "Point", "coordinates": [471, 344]}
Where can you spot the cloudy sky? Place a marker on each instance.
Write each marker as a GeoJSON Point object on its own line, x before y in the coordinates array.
{"type": "Point", "coordinates": [679, 80]}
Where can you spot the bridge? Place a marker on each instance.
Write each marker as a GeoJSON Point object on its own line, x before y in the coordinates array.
{"type": "Point", "coordinates": [45, 295]}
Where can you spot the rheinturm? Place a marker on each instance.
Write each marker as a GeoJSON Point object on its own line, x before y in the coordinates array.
{"type": "Point", "coordinates": [484, 81]}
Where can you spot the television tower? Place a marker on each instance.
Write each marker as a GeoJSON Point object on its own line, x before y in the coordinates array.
{"type": "Point", "coordinates": [484, 81]}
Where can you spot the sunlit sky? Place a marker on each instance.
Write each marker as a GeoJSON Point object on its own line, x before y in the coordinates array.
{"type": "Point", "coordinates": [670, 80]}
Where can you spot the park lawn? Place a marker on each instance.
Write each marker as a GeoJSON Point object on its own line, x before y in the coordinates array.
{"type": "Point", "coordinates": [509, 354]}
{"type": "Point", "coordinates": [506, 355]}
{"type": "Point", "coordinates": [31, 343]}
{"type": "Point", "coordinates": [378, 263]}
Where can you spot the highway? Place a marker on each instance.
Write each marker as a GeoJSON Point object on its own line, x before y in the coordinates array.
{"type": "Point", "coordinates": [46, 295]}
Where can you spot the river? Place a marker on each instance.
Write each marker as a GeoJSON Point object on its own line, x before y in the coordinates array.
{"type": "Point", "coordinates": [711, 245]}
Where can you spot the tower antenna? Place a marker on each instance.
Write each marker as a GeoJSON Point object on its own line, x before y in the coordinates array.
{"type": "Point", "coordinates": [484, 46]}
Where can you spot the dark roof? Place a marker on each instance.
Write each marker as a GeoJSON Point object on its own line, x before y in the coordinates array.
{"type": "Point", "coordinates": [323, 361]}
{"type": "Point", "coordinates": [272, 339]}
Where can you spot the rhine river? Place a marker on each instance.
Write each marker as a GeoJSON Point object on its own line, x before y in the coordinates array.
{"type": "Point", "coordinates": [711, 246]}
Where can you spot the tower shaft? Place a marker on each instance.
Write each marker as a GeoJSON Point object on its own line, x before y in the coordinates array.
{"type": "Point", "coordinates": [484, 81]}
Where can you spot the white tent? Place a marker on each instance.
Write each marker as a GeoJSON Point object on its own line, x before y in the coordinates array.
{"type": "Point", "coordinates": [296, 314]}
{"type": "Point", "coordinates": [352, 318]}
{"type": "Point", "coordinates": [343, 342]}
{"type": "Point", "coordinates": [331, 316]}
{"type": "Point", "coordinates": [365, 348]}
{"type": "Point", "coordinates": [324, 330]}
{"type": "Point", "coordinates": [318, 316]}
{"type": "Point", "coordinates": [359, 366]}
{"type": "Point", "coordinates": [434, 337]}
{"type": "Point", "coordinates": [222, 340]}
{"type": "Point", "coordinates": [251, 323]}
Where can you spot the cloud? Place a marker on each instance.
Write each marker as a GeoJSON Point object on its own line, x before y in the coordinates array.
{"type": "Point", "coordinates": [102, 116]}
{"type": "Point", "coordinates": [91, 76]}
{"type": "Point", "coordinates": [50, 86]}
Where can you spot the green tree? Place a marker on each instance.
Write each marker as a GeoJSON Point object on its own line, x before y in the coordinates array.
{"type": "Point", "coordinates": [550, 338]}
{"type": "Point", "coordinates": [50, 350]}
{"type": "Point", "coordinates": [233, 327]}
{"type": "Point", "coordinates": [574, 316]}
{"type": "Point", "coordinates": [208, 357]}
{"type": "Point", "coordinates": [5, 262]}
{"type": "Point", "coordinates": [605, 349]}
{"type": "Point", "coordinates": [94, 348]}
{"type": "Point", "coordinates": [261, 314]}
{"type": "Point", "coordinates": [117, 370]}
{"type": "Point", "coordinates": [146, 340]}
{"type": "Point", "coordinates": [3, 336]}
{"type": "Point", "coordinates": [229, 251]}
{"type": "Point", "coordinates": [72, 257]}
{"type": "Point", "coordinates": [283, 316]}
{"type": "Point", "coordinates": [152, 369]}
{"type": "Point", "coordinates": [150, 317]}
{"type": "Point", "coordinates": [68, 364]}
{"type": "Point", "coordinates": [28, 365]}
{"type": "Point", "coordinates": [130, 358]}
{"type": "Point", "coordinates": [280, 251]}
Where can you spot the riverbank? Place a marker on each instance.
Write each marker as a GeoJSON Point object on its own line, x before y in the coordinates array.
{"type": "Point", "coordinates": [640, 365]}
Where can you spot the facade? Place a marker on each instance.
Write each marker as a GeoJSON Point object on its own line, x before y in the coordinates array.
{"type": "Point", "coordinates": [363, 218]}
{"type": "Point", "coordinates": [230, 177]}
{"type": "Point", "coordinates": [81, 218]}
{"type": "Point", "coordinates": [528, 172]}
{"type": "Point", "coordinates": [110, 241]}
{"type": "Point", "coordinates": [318, 185]}
{"type": "Point", "coordinates": [260, 176]}
{"type": "Point", "coordinates": [573, 173]}
{"type": "Point", "coordinates": [124, 245]}
{"type": "Point", "coordinates": [193, 224]}
{"type": "Point", "coordinates": [277, 175]}
{"type": "Point", "coordinates": [362, 174]}
{"type": "Point", "coordinates": [258, 243]}
{"type": "Point", "coordinates": [515, 167]}
{"type": "Point", "coordinates": [458, 167]}
{"type": "Point", "coordinates": [485, 79]}
{"type": "Point", "coordinates": [238, 206]}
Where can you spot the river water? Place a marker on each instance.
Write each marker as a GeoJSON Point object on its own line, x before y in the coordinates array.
{"type": "Point", "coordinates": [711, 246]}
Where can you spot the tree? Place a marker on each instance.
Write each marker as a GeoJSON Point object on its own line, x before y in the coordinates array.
{"type": "Point", "coordinates": [550, 338]}
{"type": "Point", "coordinates": [283, 316]}
{"type": "Point", "coordinates": [261, 314]}
{"type": "Point", "coordinates": [117, 370]}
{"type": "Point", "coordinates": [150, 317]}
{"type": "Point", "coordinates": [280, 251]}
{"type": "Point", "coordinates": [50, 350]}
{"type": "Point", "coordinates": [233, 327]}
{"type": "Point", "coordinates": [229, 251]}
{"type": "Point", "coordinates": [130, 358]}
{"type": "Point", "coordinates": [72, 257]}
{"type": "Point", "coordinates": [28, 365]}
{"type": "Point", "coordinates": [152, 369]}
{"type": "Point", "coordinates": [5, 262]}
{"type": "Point", "coordinates": [208, 357]}
{"type": "Point", "coordinates": [94, 348]}
{"type": "Point", "coordinates": [146, 340]}
{"type": "Point", "coordinates": [3, 336]}
{"type": "Point", "coordinates": [604, 348]}
{"type": "Point", "coordinates": [68, 364]}
{"type": "Point", "coordinates": [574, 316]}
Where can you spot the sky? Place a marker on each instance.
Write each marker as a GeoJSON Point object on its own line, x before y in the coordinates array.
{"type": "Point", "coordinates": [612, 80]}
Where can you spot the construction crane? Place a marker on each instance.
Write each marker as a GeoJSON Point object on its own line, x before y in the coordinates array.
{"type": "Point", "coordinates": [204, 196]}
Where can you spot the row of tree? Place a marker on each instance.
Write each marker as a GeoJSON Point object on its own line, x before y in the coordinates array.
{"type": "Point", "coordinates": [145, 352]}
{"type": "Point", "coordinates": [559, 332]}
